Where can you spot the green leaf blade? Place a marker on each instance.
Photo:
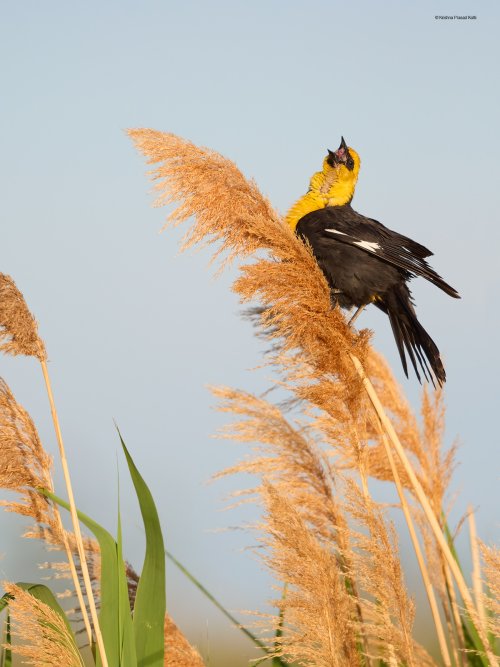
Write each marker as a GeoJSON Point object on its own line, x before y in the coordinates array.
{"type": "Point", "coordinates": [128, 656]}
{"type": "Point", "coordinates": [150, 601]}
{"type": "Point", "coordinates": [108, 616]}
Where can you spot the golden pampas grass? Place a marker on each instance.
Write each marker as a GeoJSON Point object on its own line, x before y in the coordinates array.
{"type": "Point", "coordinates": [341, 520]}
{"type": "Point", "coordinates": [285, 455]}
{"type": "Point", "coordinates": [320, 613]}
{"type": "Point", "coordinates": [355, 425]}
{"type": "Point", "coordinates": [491, 600]}
{"type": "Point", "coordinates": [25, 467]}
{"type": "Point", "coordinates": [40, 635]}
{"type": "Point", "coordinates": [230, 210]}
{"type": "Point", "coordinates": [18, 327]}
{"type": "Point", "coordinates": [388, 610]}
{"type": "Point", "coordinates": [24, 464]}
{"type": "Point", "coordinates": [178, 651]}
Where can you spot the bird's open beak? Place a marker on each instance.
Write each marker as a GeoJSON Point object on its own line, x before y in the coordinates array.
{"type": "Point", "coordinates": [340, 156]}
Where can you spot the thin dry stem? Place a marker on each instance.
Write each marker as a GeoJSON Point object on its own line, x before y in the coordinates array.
{"type": "Point", "coordinates": [423, 446]}
{"type": "Point", "coordinates": [25, 468]}
{"type": "Point", "coordinates": [477, 586]}
{"type": "Point", "coordinates": [426, 506]}
{"type": "Point", "coordinates": [455, 612]}
{"type": "Point", "coordinates": [420, 558]}
{"type": "Point", "coordinates": [491, 558]}
{"type": "Point", "coordinates": [388, 612]}
{"type": "Point", "coordinates": [74, 519]}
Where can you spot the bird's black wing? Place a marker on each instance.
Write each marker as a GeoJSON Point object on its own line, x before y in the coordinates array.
{"type": "Point", "coordinates": [345, 225]}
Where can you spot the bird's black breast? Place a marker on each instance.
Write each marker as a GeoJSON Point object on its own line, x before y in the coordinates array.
{"type": "Point", "coordinates": [356, 272]}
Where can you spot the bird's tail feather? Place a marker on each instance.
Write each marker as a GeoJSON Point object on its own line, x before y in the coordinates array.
{"type": "Point", "coordinates": [411, 337]}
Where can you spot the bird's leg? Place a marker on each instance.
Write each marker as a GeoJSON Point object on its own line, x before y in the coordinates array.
{"type": "Point", "coordinates": [333, 294]}
{"type": "Point", "coordinates": [356, 315]}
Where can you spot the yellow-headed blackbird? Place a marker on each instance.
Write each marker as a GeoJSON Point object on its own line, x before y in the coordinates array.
{"type": "Point", "coordinates": [364, 261]}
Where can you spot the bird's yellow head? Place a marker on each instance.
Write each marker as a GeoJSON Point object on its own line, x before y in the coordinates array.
{"type": "Point", "coordinates": [334, 185]}
{"type": "Point", "coordinates": [337, 179]}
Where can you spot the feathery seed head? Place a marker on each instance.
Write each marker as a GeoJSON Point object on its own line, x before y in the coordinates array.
{"type": "Point", "coordinates": [491, 558]}
{"type": "Point", "coordinates": [178, 651]}
{"type": "Point", "coordinates": [18, 327]}
{"type": "Point", "coordinates": [41, 635]}
{"type": "Point", "coordinates": [288, 282]}
{"type": "Point", "coordinates": [24, 464]}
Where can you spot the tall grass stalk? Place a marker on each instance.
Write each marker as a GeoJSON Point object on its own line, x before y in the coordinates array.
{"type": "Point", "coordinates": [455, 612]}
{"type": "Point", "coordinates": [76, 580]}
{"type": "Point", "coordinates": [420, 557]}
{"type": "Point", "coordinates": [19, 331]}
{"type": "Point", "coordinates": [477, 585]}
{"type": "Point", "coordinates": [74, 518]}
{"type": "Point", "coordinates": [426, 506]}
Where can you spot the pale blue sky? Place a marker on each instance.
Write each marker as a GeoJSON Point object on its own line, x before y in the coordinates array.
{"type": "Point", "coordinates": [135, 332]}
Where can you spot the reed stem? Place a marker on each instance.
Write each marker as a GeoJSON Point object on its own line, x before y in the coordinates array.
{"type": "Point", "coordinates": [74, 517]}
{"type": "Point", "coordinates": [457, 621]}
{"type": "Point", "coordinates": [418, 552]}
{"type": "Point", "coordinates": [422, 498]}
{"type": "Point", "coordinates": [477, 586]}
{"type": "Point", "coordinates": [76, 580]}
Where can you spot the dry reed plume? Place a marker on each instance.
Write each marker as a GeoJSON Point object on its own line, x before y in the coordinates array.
{"type": "Point", "coordinates": [178, 651]}
{"type": "Point", "coordinates": [342, 523]}
{"type": "Point", "coordinates": [324, 534]}
{"type": "Point", "coordinates": [18, 327]}
{"type": "Point", "coordinates": [228, 209]}
{"type": "Point", "coordinates": [43, 638]}
{"type": "Point", "coordinates": [25, 468]}
{"type": "Point", "coordinates": [25, 465]}
{"type": "Point", "coordinates": [491, 601]}
{"type": "Point", "coordinates": [320, 613]}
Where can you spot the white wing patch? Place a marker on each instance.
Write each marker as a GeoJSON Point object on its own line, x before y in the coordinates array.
{"type": "Point", "coordinates": [334, 231]}
{"type": "Point", "coordinates": [372, 246]}
{"type": "Point", "coordinates": [367, 245]}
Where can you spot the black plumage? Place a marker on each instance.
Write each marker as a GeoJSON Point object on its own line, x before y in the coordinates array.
{"type": "Point", "coordinates": [365, 262]}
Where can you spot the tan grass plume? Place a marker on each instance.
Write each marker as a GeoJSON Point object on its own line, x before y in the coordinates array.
{"type": "Point", "coordinates": [230, 210]}
{"type": "Point", "coordinates": [178, 651]}
{"type": "Point", "coordinates": [18, 327]}
{"type": "Point", "coordinates": [25, 467]}
{"type": "Point", "coordinates": [320, 613]}
{"type": "Point", "coordinates": [40, 635]}
{"type": "Point", "coordinates": [491, 599]}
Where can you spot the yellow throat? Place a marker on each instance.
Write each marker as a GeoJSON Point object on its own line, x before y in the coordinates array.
{"type": "Point", "coordinates": [332, 186]}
